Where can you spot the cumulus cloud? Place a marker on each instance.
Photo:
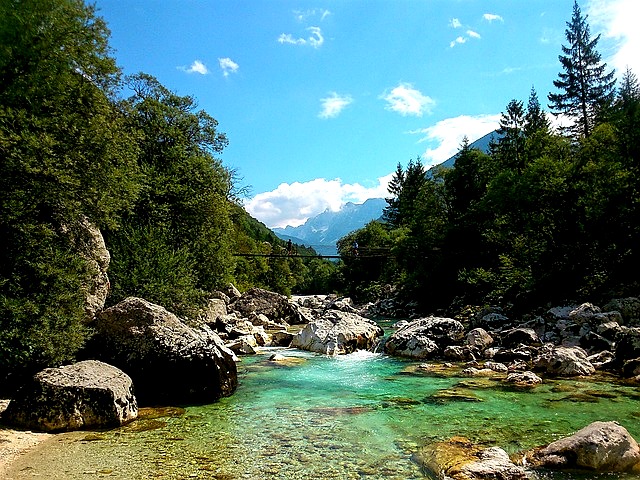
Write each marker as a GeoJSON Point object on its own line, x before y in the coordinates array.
{"type": "Point", "coordinates": [334, 104]}
{"type": "Point", "coordinates": [227, 66]}
{"type": "Point", "coordinates": [492, 17]}
{"type": "Point", "coordinates": [613, 19]}
{"type": "Point", "coordinates": [293, 204]}
{"type": "Point", "coordinates": [315, 39]}
{"type": "Point", "coordinates": [407, 100]}
{"type": "Point", "coordinates": [196, 67]}
{"type": "Point", "coordinates": [473, 34]}
{"type": "Point", "coordinates": [455, 23]}
{"type": "Point", "coordinates": [444, 138]}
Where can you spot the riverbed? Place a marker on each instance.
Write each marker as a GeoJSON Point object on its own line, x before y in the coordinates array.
{"type": "Point", "coordinates": [358, 416]}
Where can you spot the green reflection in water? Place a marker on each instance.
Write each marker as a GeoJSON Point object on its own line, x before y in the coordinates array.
{"type": "Point", "coordinates": [359, 416]}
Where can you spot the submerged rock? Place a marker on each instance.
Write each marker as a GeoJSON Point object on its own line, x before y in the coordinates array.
{"type": "Point", "coordinates": [523, 379]}
{"type": "Point", "coordinates": [600, 446]}
{"type": "Point", "coordinates": [459, 459]}
{"type": "Point", "coordinates": [338, 333]}
{"type": "Point", "coordinates": [88, 394]}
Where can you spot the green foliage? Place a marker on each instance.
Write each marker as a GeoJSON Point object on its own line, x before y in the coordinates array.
{"type": "Point", "coordinates": [175, 242]}
{"type": "Point", "coordinates": [65, 154]}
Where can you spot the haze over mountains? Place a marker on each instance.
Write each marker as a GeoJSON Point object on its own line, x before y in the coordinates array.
{"type": "Point", "coordinates": [323, 231]}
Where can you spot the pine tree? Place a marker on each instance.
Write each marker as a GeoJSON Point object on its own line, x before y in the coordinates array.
{"type": "Point", "coordinates": [535, 118]}
{"type": "Point", "coordinates": [585, 87]}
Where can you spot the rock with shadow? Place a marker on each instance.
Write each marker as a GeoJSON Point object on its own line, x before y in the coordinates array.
{"type": "Point", "coordinates": [87, 394]}
{"type": "Point", "coordinates": [169, 361]}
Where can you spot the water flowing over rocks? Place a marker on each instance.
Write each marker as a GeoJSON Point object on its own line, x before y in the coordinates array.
{"type": "Point", "coordinates": [600, 447]}
{"type": "Point", "coordinates": [425, 337]}
{"type": "Point", "coordinates": [167, 359]}
{"type": "Point", "coordinates": [459, 459]}
{"type": "Point", "coordinates": [87, 394]}
{"type": "Point", "coordinates": [338, 332]}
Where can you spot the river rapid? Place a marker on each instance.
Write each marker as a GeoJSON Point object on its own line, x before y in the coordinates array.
{"type": "Point", "coordinates": [358, 416]}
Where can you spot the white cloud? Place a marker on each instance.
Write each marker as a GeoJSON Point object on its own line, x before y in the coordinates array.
{"type": "Point", "coordinates": [334, 104]}
{"type": "Point", "coordinates": [491, 17]}
{"type": "Point", "coordinates": [196, 67]}
{"type": "Point", "coordinates": [292, 204]}
{"type": "Point", "coordinates": [455, 23]}
{"type": "Point", "coordinates": [473, 34]}
{"type": "Point", "coordinates": [459, 40]}
{"type": "Point", "coordinates": [616, 22]}
{"type": "Point", "coordinates": [228, 66]}
{"type": "Point", "coordinates": [406, 100]}
{"type": "Point", "coordinates": [304, 15]}
{"type": "Point", "coordinates": [315, 40]}
{"type": "Point", "coordinates": [446, 135]}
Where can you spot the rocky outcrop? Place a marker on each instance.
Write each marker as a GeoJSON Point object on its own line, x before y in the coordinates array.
{"type": "Point", "coordinates": [89, 244]}
{"type": "Point", "coordinates": [337, 333]}
{"type": "Point", "coordinates": [600, 447]}
{"type": "Point", "coordinates": [459, 459]}
{"type": "Point", "coordinates": [629, 309]}
{"type": "Point", "coordinates": [425, 337]}
{"type": "Point", "coordinates": [563, 361]}
{"type": "Point", "coordinates": [88, 394]}
{"type": "Point", "coordinates": [167, 360]}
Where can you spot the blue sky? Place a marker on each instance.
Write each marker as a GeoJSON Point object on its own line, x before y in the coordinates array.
{"type": "Point", "coordinates": [320, 100]}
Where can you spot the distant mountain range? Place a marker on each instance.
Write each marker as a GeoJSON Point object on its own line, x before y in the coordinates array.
{"type": "Point", "coordinates": [323, 231]}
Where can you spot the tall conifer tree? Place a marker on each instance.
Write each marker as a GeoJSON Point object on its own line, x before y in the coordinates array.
{"type": "Point", "coordinates": [585, 88]}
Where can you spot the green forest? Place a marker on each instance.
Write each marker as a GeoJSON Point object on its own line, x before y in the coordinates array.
{"type": "Point", "coordinates": [544, 216]}
{"type": "Point", "coordinates": [81, 142]}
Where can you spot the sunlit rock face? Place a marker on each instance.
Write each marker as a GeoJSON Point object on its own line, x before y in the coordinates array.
{"type": "Point", "coordinates": [88, 394]}
{"type": "Point", "coordinates": [337, 332]}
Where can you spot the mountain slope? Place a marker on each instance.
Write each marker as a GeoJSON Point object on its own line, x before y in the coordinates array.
{"type": "Point", "coordinates": [325, 229]}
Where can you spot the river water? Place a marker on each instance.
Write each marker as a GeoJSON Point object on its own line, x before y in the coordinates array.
{"type": "Point", "coordinates": [358, 416]}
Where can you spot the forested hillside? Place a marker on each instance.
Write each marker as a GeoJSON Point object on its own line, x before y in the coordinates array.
{"type": "Point", "coordinates": [548, 215]}
{"type": "Point", "coordinates": [81, 145]}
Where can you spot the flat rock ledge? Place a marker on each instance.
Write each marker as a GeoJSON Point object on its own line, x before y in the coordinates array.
{"type": "Point", "coordinates": [459, 459]}
{"type": "Point", "coordinates": [88, 394]}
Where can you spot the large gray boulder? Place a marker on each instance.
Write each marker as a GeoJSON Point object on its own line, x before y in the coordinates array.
{"type": "Point", "coordinates": [600, 447]}
{"type": "Point", "coordinates": [425, 337]}
{"type": "Point", "coordinates": [273, 305]}
{"type": "Point", "coordinates": [563, 361]}
{"type": "Point", "coordinates": [167, 360]}
{"type": "Point", "coordinates": [337, 332]}
{"type": "Point", "coordinates": [88, 394]}
{"type": "Point", "coordinates": [627, 344]}
{"type": "Point", "coordinates": [459, 459]}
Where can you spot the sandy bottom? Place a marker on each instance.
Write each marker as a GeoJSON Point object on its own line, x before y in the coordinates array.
{"type": "Point", "coordinates": [15, 443]}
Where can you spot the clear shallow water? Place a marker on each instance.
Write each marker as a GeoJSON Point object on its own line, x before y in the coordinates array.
{"type": "Point", "coordinates": [359, 416]}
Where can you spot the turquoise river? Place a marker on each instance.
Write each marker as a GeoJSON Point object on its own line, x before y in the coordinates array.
{"type": "Point", "coordinates": [358, 416]}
